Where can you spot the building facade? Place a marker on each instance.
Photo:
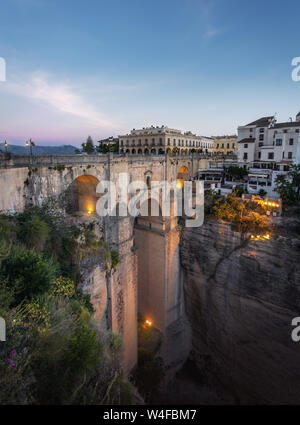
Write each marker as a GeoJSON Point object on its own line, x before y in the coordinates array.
{"type": "Point", "coordinates": [267, 148]}
{"type": "Point", "coordinates": [265, 141]}
{"type": "Point", "coordinates": [224, 145]}
{"type": "Point", "coordinates": [162, 140]}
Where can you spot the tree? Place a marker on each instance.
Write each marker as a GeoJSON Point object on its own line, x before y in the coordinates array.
{"type": "Point", "coordinates": [88, 146]}
{"type": "Point", "coordinates": [238, 172]}
{"type": "Point", "coordinates": [238, 191]}
{"type": "Point", "coordinates": [262, 193]}
{"type": "Point", "coordinates": [288, 186]}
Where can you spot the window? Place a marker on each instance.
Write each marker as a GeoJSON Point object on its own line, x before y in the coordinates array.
{"type": "Point", "coordinates": [278, 142]}
{"type": "Point", "coordinates": [217, 145]}
{"type": "Point", "coordinates": [245, 145]}
{"type": "Point", "coordinates": [121, 142]}
{"type": "Point", "coordinates": [260, 144]}
{"type": "Point", "coordinates": [169, 142]}
{"type": "Point", "coordinates": [297, 131]}
{"type": "Point", "coordinates": [291, 142]}
{"type": "Point", "coordinates": [290, 155]}
{"type": "Point", "coordinates": [245, 155]}
{"type": "Point", "coordinates": [227, 145]}
{"type": "Point", "coordinates": [222, 145]}
{"type": "Point", "coordinates": [261, 137]}
{"type": "Point", "coordinates": [251, 129]}
{"type": "Point", "coordinates": [160, 141]}
{"type": "Point", "coordinates": [261, 130]}
{"type": "Point", "coordinates": [271, 155]}
{"type": "Point", "coordinates": [259, 155]}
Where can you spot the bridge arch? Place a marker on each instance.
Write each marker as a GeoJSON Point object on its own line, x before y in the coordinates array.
{"type": "Point", "coordinates": [182, 175]}
{"type": "Point", "coordinates": [81, 195]}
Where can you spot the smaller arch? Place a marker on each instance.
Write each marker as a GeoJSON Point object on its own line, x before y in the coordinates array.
{"type": "Point", "coordinates": [169, 150]}
{"type": "Point", "coordinates": [81, 196]}
{"type": "Point", "coordinates": [153, 151]}
{"type": "Point", "coordinates": [133, 151]}
{"type": "Point", "coordinates": [140, 151]}
{"type": "Point", "coordinates": [127, 151]}
{"type": "Point", "coordinates": [148, 181]}
{"type": "Point", "coordinates": [161, 151]}
{"type": "Point", "coordinates": [146, 151]}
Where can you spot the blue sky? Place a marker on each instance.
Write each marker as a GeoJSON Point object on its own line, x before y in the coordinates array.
{"type": "Point", "coordinates": [98, 67]}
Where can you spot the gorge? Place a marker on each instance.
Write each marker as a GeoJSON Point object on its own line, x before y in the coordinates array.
{"type": "Point", "coordinates": [219, 299]}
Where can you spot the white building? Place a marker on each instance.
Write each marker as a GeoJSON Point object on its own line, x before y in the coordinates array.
{"type": "Point", "coordinates": [161, 140]}
{"type": "Point", "coordinates": [267, 148]}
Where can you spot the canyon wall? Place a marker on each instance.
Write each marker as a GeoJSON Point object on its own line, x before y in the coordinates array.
{"type": "Point", "coordinates": [241, 297]}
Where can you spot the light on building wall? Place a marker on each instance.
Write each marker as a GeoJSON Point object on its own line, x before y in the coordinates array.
{"type": "Point", "coordinates": [148, 322]}
{"type": "Point", "coordinates": [260, 237]}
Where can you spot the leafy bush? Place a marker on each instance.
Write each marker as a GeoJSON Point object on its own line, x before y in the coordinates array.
{"type": "Point", "coordinates": [246, 216]}
{"type": "Point", "coordinates": [53, 353]}
{"type": "Point", "coordinates": [28, 272]}
{"type": "Point", "coordinates": [63, 286]}
{"type": "Point", "coordinates": [34, 233]}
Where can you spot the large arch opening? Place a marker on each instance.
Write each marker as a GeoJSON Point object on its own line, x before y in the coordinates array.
{"type": "Point", "coordinates": [82, 196]}
{"type": "Point", "coordinates": [182, 176]}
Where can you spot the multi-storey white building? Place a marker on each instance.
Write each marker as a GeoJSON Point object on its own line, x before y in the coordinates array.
{"type": "Point", "coordinates": [269, 142]}
{"type": "Point", "coordinates": [161, 140]}
{"type": "Point", "coordinates": [267, 148]}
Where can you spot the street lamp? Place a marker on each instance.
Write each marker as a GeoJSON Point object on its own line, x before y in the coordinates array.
{"type": "Point", "coordinates": [5, 146]}
{"type": "Point", "coordinates": [29, 143]}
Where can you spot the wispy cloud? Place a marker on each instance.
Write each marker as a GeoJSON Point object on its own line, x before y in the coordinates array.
{"type": "Point", "coordinates": [211, 32]}
{"type": "Point", "coordinates": [62, 96]}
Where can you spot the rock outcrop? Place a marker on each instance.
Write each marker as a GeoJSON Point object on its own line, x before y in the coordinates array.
{"type": "Point", "coordinates": [241, 297]}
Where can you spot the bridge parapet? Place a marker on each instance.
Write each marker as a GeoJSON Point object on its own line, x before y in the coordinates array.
{"type": "Point", "coordinates": [18, 161]}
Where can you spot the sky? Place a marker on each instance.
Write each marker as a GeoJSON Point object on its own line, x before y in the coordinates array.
{"type": "Point", "coordinates": [76, 68]}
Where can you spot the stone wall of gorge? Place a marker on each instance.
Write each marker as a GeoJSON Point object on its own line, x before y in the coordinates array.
{"type": "Point", "coordinates": [241, 297]}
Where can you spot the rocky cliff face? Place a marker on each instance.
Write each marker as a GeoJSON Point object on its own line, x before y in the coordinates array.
{"type": "Point", "coordinates": [241, 297]}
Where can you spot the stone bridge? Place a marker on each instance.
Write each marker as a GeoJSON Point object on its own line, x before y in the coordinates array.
{"type": "Point", "coordinates": [148, 279]}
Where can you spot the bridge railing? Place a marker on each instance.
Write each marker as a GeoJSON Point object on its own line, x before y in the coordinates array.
{"type": "Point", "coordinates": [16, 161]}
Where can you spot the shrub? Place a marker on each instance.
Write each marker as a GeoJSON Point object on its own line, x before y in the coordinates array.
{"type": "Point", "coordinates": [62, 286]}
{"type": "Point", "coordinates": [34, 233]}
{"type": "Point", "coordinates": [28, 272]}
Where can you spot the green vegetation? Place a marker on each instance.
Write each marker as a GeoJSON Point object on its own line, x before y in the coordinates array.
{"type": "Point", "coordinates": [53, 353]}
{"type": "Point", "coordinates": [237, 172]}
{"type": "Point", "coordinates": [246, 216]}
{"type": "Point", "coordinates": [288, 186]}
{"type": "Point", "coordinates": [262, 193]}
{"type": "Point", "coordinates": [149, 372]}
{"type": "Point", "coordinates": [105, 148]}
{"type": "Point", "coordinates": [88, 146]}
{"type": "Point", "coordinates": [238, 191]}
